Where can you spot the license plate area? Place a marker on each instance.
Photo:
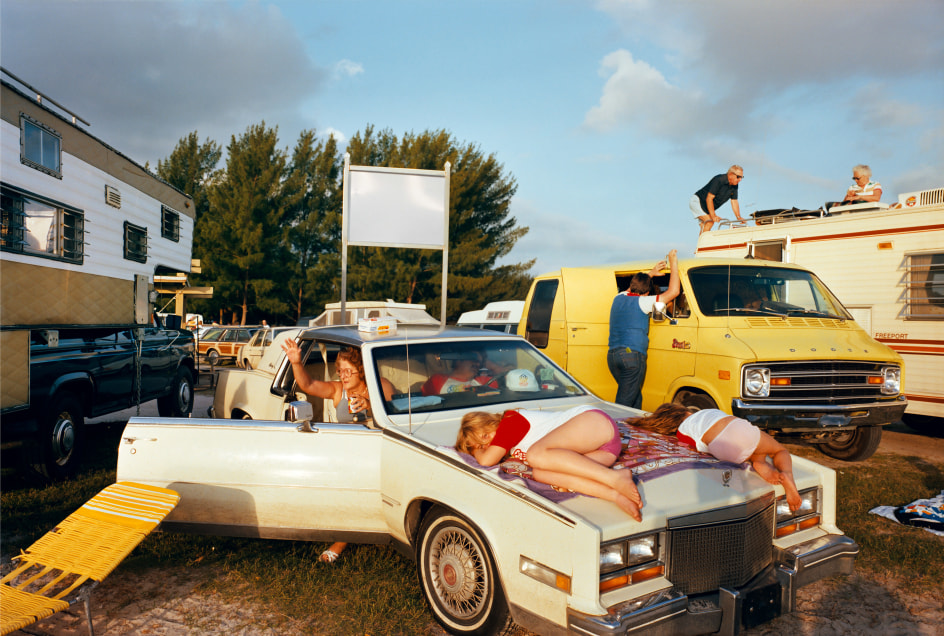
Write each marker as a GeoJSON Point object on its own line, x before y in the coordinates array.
{"type": "Point", "coordinates": [761, 605]}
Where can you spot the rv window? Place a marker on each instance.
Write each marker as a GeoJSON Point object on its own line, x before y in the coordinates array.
{"type": "Point", "coordinates": [539, 313]}
{"type": "Point", "coordinates": [135, 243]}
{"type": "Point", "coordinates": [170, 224]}
{"type": "Point", "coordinates": [925, 298]}
{"type": "Point", "coordinates": [41, 228]}
{"type": "Point", "coordinates": [769, 251]}
{"type": "Point", "coordinates": [40, 147]}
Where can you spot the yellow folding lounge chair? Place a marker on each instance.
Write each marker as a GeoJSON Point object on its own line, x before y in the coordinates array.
{"type": "Point", "coordinates": [65, 564]}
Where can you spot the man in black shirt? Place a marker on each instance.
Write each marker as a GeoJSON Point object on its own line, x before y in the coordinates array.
{"type": "Point", "coordinates": [705, 203]}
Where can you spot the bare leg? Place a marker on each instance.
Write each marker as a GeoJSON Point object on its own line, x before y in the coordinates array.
{"type": "Point", "coordinates": [332, 553]}
{"type": "Point", "coordinates": [589, 487]}
{"type": "Point", "coordinates": [706, 223]}
{"type": "Point", "coordinates": [565, 450]}
{"type": "Point", "coordinates": [767, 472]}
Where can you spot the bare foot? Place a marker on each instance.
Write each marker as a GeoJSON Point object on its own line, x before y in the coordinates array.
{"type": "Point", "coordinates": [627, 487]}
{"type": "Point", "coordinates": [628, 507]}
{"type": "Point", "coordinates": [767, 472]}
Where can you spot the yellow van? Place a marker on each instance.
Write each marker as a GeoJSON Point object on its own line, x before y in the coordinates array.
{"type": "Point", "coordinates": [761, 340]}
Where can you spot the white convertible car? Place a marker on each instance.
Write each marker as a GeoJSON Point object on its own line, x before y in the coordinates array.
{"type": "Point", "coordinates": [717, 550]}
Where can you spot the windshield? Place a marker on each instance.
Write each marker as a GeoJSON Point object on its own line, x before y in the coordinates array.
{"type": "Point", "coordinates": [725, 290]}
{"type": "Point", "coordinates": [451, 375]}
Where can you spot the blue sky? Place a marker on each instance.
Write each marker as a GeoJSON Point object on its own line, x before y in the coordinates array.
{"type": "Point", "coordinates": [609, 114]}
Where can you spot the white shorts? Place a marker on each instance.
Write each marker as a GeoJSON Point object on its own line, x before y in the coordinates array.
{"type": "Point", "coordinates": [735, 443]}
{"type": "Point", "coordinates": [695, 205]}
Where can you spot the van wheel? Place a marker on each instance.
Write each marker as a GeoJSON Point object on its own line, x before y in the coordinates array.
{"type": "Point", "coordinates": [459, 577]}
{"type": "Point", "coordinates": [179, 402]}
{"type": "Point", "coordinates": [61, 438]}
{"type": "Point", "coordinates": [698, 400]}
{"type": "Point", "coordinates": [853, 446]}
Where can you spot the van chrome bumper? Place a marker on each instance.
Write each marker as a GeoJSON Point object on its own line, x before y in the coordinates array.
{"type": "Point", "coordinates": [818, 418]}
{"type": "Point", "coordinates": [725, 612]}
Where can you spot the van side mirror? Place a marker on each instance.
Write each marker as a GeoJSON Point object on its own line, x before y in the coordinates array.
{"type": "Point", "coordinates": [658, 311]}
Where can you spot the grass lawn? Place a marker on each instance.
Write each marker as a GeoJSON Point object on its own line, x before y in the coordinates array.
{"type": "Point", "coordinates": [373, 589]}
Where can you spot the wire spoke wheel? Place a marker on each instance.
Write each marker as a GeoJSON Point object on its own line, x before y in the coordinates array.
{"type": "Point", "coordinates": [459, 577]}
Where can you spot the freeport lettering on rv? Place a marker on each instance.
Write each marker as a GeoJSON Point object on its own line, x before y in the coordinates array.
{"type": "Point", "coordinates": [887, 335]}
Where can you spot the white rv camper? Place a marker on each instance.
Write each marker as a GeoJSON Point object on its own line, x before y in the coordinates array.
{"type": "Point", "coordinates": [885, 263]}
{"type": "Point", "coordinates": [503, 315]}
{"type": "Point", "coordinates": [84, 231]}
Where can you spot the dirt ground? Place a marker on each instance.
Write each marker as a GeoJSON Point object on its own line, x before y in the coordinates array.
{"type": "Point", "coordinates": [169, 603]}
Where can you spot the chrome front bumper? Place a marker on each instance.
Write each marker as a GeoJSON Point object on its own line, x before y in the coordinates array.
{"type": "Point", "coordinates": [726, 612]}
{"type": "Point", "coordinates": [805, 418]}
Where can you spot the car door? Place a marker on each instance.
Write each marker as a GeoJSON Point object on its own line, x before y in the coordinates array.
{"type": "Point", "coordinates": [261, 478]}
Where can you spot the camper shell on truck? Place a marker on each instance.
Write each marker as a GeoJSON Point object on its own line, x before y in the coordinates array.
{"type": "Point", "coordinates": [886, 265]}
{"type": "Point", "coordinates": [764, 341]}
{"type": "Point", "coordinates": [84, 231]}
{"type": "Point", "coordinates": [502, 315]}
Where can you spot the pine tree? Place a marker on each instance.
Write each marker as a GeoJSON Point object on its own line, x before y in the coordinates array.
{"type": "Point", "coordinates": [242, 234]}
{"type": "Point", "coordinates": [313, 234]}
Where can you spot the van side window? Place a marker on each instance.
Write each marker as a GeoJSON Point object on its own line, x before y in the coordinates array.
{"type": "Point", "coordinates": [677, 308]}
{"type": "Point", "coordinates": [539, 313]}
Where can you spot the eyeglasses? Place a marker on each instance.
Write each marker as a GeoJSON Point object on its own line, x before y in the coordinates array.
{"type": "Point", "coordinates": [739, 176]}
{"type": "Point", "coordinates": [346, 372]}
{"type": "Point", "coordinates": [855, 178]}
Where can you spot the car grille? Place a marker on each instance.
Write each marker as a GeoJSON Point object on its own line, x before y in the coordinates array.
{"type": "Point", "coordinates": [819, 383]}
{"type": "Point", "coordinates": [703, 558]}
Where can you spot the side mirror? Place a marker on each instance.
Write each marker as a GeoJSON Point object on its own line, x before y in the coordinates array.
{"type": "Point", "coordinates": [658, 312]}
{"type": "Point", "coordinates": [301, 413]}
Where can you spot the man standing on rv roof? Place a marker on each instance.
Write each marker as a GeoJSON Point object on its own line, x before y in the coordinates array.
{"type": "Point", "coordinates": [705, 203]}
{"type": "Point", "coordinates": [629, 330]}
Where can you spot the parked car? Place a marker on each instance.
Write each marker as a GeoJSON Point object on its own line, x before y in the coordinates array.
{"type": "Point", "coordinates": [251, 353]}
{"type": "Point", "coordinates": [224, 342]}
{"type": "Point", "coordinates": [87, 372]}
{"type": "Point", "coordinates": [717, 549]}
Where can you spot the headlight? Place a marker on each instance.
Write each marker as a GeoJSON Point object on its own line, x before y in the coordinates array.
{"type": "Point", "coordinates": [891, 377]}
{"type": "Point", "coordinates": [808, 515]}
{"type": "Point", "coordinates": [757, 382]}
{"type": "Point", "coordinates": [630, 561]}
{"type": "Point", "coordinates": [629, 553]}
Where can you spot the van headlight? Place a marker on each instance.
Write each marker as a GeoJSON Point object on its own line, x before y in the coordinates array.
{"type": "Point", "coordinates": [756, 382]}
{"type": "Point", "coordinates": [891, 380]}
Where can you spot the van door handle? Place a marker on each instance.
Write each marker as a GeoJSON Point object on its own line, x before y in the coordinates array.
{"type": "Point", "coordinates": [576, 328]}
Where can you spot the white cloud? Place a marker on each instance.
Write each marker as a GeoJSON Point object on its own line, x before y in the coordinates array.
{"type": "Point", "coordinates": [875, 109]}
{"type": "Point", "coordinates": [161, 70]}
{"type": "Point", "coordinates": [637, 93]}
{"type": "Point", "coordinates": [339, 136]}
{"type": "Point", "coordinates": [347, 68]}
{"type": "Point", "coordinates": [558, 240]}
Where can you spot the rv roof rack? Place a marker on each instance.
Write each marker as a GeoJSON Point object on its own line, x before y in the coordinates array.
{"type": "Point", "coordinates": [40, 97]}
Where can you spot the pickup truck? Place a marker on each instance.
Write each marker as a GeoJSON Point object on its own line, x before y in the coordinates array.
{"type": "Point", "coordinates": [87, 372]}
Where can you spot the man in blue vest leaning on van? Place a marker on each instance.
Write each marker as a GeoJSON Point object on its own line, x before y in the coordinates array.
{"type": "Point", "coordinates": [629, 330]}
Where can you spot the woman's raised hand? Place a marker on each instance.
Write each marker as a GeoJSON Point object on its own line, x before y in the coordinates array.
{"type": "Point", "coordinates": [292, 351]}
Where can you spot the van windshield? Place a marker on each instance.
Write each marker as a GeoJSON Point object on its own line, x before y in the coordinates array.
{"type": "Point", "coordinates": [724, 290]}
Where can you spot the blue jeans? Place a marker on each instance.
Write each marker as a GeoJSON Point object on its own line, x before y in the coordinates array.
{"type": "Point", "coordinates": [629, 371]}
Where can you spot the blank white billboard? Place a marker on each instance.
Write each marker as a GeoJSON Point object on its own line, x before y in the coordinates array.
{"type": "Point", "coordinates": [396, 207]}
